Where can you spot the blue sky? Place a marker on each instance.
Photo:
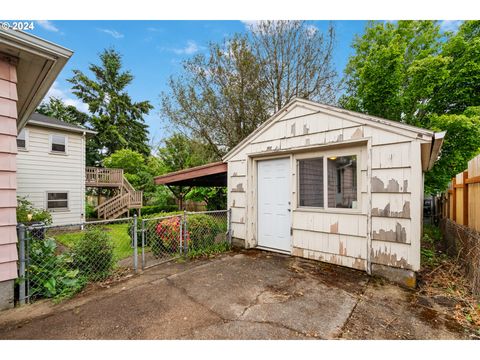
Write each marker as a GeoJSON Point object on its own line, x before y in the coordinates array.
{"type": "Point", "coordinates": [153, 51]}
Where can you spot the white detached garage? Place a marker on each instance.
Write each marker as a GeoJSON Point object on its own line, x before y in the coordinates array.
{"type": "Point", "coordinates": [333, 185]}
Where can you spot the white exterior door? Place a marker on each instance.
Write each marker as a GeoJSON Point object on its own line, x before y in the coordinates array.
{"type": "Point", "coordinates": [273, 207]}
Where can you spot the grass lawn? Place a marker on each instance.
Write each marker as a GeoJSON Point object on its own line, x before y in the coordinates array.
{"type": "Point", "coordinates": [118, 233]}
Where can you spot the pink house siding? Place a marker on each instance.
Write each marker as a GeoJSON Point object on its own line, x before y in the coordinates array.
{"type": "Point", "coordinates": [8, 180]}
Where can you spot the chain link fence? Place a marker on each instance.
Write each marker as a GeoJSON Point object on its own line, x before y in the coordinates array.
{"type": "Point", "coordinates": [190, 234]}
{"type": "Point", "coordinates": [59, 261]}
{"type": "Point", "coordinates": [464, 244]}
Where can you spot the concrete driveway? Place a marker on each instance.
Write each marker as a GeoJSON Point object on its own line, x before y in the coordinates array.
{"type": "Point", "coordinates": [245, 295]}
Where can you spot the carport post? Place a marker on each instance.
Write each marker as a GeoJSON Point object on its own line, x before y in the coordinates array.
{"type": "Point", "coordinates": [135, 243]}
{"type": "Point", "coordinates": [22, 260]}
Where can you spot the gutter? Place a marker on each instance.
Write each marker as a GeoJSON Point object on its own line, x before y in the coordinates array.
{"type": "Point", "coordinates": [60, 127]}
{"type": "Point", "coordinates": [437, 141]}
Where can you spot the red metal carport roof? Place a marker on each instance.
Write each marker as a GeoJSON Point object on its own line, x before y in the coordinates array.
{"type": "Point", "coordinates": [213, 174]}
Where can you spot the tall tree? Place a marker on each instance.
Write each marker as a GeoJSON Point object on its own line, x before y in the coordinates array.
{"type": "Point", "coordinates": [180, 153]}
{"type": "Point", "coordinates": [218, 98]}
{"type": "Point", "coordinates": [410, 72]}
{"type": "Point", "coordinates": [461, 144]}
{"type": "Point", "coordinates": [56, 108]}
{"type": "Point", "coordinates": [461, 88]}
{"type": "Point", "coordinates": [394, 70]}
{"type": "Point", "coordinates": [116, 117]}
{"type": "Point", "coordinates": [297, 61]}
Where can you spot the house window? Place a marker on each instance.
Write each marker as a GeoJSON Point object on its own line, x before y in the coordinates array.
{"type": "Point", "coordinates": [57, 200]}
{"type": "Point", "coordinates": [311, 182]}
{"type": "Point", "coordinates": [22, 140]}
{"type": "Point", "coordinates": [342, 181]}
{"type": "Point", "coordinates": [59, 143]}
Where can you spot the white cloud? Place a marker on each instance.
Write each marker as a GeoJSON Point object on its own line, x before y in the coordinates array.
{"type": "Point", "coordinates": [250, 24]}
{"type": "Point", "coordinates": [47, 25]}
{"type": "Point", "coordinates": [115, 34]}
{"type": "Point", "coordinates": [450, 25]}
{"type": "Point", "coordinates": [191, 48]}
{"type": "Point", "coordinates": [154, 29]}
{"type": "Point", "coordinates": [66, 97]}
{"type": "Point", "coordinates": [311, 30]}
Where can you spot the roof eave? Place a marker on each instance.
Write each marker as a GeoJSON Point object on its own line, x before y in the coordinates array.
{"type": "Point", "coordinates": [49, 61]}
{"type": "Point", "coordinates": [413, 131]}
{"type": "Point", "coordinates": [60, 127]}
{"type": "Point", "coordinates": [437, 142]}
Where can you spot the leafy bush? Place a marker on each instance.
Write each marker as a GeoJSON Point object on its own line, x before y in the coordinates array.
{"type": "Point", "coordinates": [202, 232]}
{"type": "Point", "coordinates": [52, 275]}
{"type": "Point", "coordinates": [93, 254]}
{"type": "Point", "coordinates": [89, 211]}
{"type": "Point", "coordinates": [167, 235]}
{"type": "Point", "coordinates": [25, 207]}
{"type": "Point", "coordinates": [203, 229]}
{"type": "Point", "coordinates": [156, 209]}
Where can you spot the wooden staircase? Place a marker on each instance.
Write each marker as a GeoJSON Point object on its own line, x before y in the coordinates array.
{"type": "Point", "coordinates": [126, 197]}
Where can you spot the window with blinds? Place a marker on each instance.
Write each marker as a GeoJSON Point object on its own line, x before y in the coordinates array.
{"type": "Point", "coordinates": [311, 182]}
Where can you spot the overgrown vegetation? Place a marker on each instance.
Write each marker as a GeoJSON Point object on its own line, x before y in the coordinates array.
{"type": "Point", "coordinates": [52, 275]}
{"type": "Point", "coordinates": [442, 276]}
{"type": "Point", "coordinates": [27, 213]}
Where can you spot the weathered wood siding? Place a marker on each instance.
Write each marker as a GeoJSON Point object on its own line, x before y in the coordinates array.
{"type": "Point", "coordinates": [8, 178]}
{"type": "Point", "coordinates": [40, 170]}
{"type": "Point", "coordinates": [386, 226]}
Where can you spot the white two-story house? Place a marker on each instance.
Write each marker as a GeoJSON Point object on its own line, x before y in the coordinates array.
{"type": "Point", "coordinates": [51, 167]}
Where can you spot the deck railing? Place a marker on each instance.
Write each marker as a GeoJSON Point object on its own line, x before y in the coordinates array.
{"type": "Point", "coordinates": [95, 176]}
{"type": "Point", "coordinates": [127, 198]}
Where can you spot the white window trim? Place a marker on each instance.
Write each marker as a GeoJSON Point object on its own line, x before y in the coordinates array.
{"type": "Point", "coordinates": [326, 154]}
{"type": "Point", "coordinates": [57, 209]}
{"type": "Point", "coordinates": [51, 143]}
{"type": "Point", "coordinates": [26, 141]}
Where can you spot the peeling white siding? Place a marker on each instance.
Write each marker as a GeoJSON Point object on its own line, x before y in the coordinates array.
{"type": "Point", "coordinates": [39, 171]}
{"type": "Point", "coordinates": [390, 200]}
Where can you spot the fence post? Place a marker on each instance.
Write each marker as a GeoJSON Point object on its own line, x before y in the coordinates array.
{"type": "Point", "coordinates": [465, 198]}
{"type": "Point", "coordinates": [135, 243]}
{"type": "Point", "coordinates": [185, 231]}
{"type": "Point", "coordinates": [22, 260]}
{"type": "Point", "coordinates": [229, 225]}
{"type": "Point", "coordinates": [143, 244]}
{"type": "Point", "coordinates": [454, 199]}
{"type": "Point", "coordinates": [181, 236]}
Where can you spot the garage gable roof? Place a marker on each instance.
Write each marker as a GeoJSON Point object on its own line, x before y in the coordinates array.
{"type": "Point", "coordinates": [362, 119]}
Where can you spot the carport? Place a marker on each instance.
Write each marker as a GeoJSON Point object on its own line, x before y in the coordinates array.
{"type": "Point", "coordinates": [213, 174]}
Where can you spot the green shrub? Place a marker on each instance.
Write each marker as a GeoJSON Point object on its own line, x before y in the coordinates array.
{"type": "Point", "coordinates": [25, 208]}
{"type": "Point", "coordinates": [202, 229]}
{"type": "Point", "coordinates": [156, 209]}
{"type": "Point", "coordinates": [93, 254]}
{"type": "Point", "coordinates": [52, 275]}
{"type": "Point", "coordinates": [90, 212]}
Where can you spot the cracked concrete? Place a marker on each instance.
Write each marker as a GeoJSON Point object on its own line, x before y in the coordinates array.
{"type": "Point", "coordinates": [246, 295]}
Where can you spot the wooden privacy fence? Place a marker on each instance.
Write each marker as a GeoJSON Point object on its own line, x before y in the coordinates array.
{"type": "Point", "coordinates": [463, 197]}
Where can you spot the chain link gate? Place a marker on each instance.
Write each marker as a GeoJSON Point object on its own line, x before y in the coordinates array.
{"type": "Point", "coordinates": [188, 234]}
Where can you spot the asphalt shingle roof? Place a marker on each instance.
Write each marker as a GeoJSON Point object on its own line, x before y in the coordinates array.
{"type": "Point", "coordinates": [52, 122]}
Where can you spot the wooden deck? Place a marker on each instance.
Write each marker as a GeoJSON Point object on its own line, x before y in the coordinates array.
{"type": "Point", "coordinates": [126, 199]}
{"type": "Point", "coordinates": [103, 177]}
